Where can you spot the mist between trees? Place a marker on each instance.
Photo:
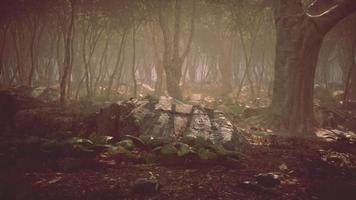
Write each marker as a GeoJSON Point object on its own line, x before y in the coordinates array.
{"type": "Point", "coordinates": [109, 49]}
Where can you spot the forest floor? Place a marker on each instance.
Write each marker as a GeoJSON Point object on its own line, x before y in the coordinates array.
{"type": "Point", "coordinates": [274, 166]}
{"type": "Point", "coordinates": [306, 168]}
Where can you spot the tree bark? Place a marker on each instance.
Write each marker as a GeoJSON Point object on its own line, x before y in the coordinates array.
{"type": "Point", "coordinates": [172, 60]}
{"type": "Point", "coordinates": [67, 56]}
{"type": "Point", "coordinates": [350, 86]}
{"type": "Point", "coordinates": [299, 38]}
{"type": "Point", "coordinates": [133, 72]}
{"type": "Point", "coordinates": [119, 59]}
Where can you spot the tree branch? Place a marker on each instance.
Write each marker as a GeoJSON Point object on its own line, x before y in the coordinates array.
{"type": "Point", "coordinates": [327, 19]}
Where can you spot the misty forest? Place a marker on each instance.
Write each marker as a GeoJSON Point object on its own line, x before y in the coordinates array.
{"type": "Point", "coordinates": [178, 99]}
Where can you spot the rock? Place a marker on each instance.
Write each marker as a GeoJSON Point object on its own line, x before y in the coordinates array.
{"type": "Point", "coordinates": [196, 98]}
{"type": "Point", "coordinates": [22, 90]}
{"type": "Point", "coordinates": [127, 144]}
{"type": "Point", "coordinates": [145, 186]}
{"type": "Point", "coordinates": [7, 110]}
{"type": "Point", "coordinates": [338, 95]}
{"type": "Point", "coordinates": [45, 94]}
{"type": "Point", "coordinates": [116, 120]}
{"type": "Point", "coordinates": [206, 154]}
{"type": "Point", "coordinates": [323, 95]}
{"type": "Point", "coordinates": [12, 101]}
{"type": "Point", "coordinates": [165, 120]}
{"type": "Point", "coordinates": [184, 149]}
{"type": "Point", "coordinates": [159, 141]}
{"type": "Point", "coordinates": [249, 112]}
{"type": "Point", "coordinates": [136, 140]}
{"type": "Point", "coordinates": [43, 120]}
{"type": "Point", "coordinates": [253, 185]}
{"type": "Point", "coordinates": [107, 120]}
{"type": "Point", "coordinates": [168, 149]}
{"type": "Point", "coordinates": [268, 180]}
{"type": "Point", "coordinates": [101, 139]}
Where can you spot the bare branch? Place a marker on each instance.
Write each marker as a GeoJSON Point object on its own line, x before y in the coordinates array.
{"type": "Point", "coordinates": [321, 14]}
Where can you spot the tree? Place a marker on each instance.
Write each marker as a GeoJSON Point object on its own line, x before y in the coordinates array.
{"type": "Point", "coordinates": [172, 59]}
{"type": "Point", "coordinates": [68, 40]}
{"type": "Point", "coordinates": [299, 38]}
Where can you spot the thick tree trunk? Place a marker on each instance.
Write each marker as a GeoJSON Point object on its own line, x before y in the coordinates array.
{"type": "Point", "coordinates": [173, 75]}
{"type": "Point", "coordinates": [350, 82]}
{"type": "Point", "coordinates": [299, 38]}
{"type": "Point", "coordinates": [351, 94]}
{"type": "Point", "coordinates": [2, 47]}
{"type": "Point", "coordinates": [296, 57]}
{"type": "Point", "coordinates": [172, 60]}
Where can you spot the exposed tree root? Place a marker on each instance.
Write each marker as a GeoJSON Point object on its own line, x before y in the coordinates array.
{"type": "Point", "coordinates": [266, 119]}
{"type": "Point", "coordinates": [271, 120]}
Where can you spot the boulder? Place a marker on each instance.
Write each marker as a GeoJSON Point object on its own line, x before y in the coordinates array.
{"type": "Point", "coordinates": [145, 186]}
{"type": "Point", "coordinates": [323, 96]}
{"type": "Point", "coordinates": [268, 179]}
{"type": "Point", "coordinates": [46, 94]}
{"type": "Point", "coordinates": [169, 120]}
{"type": "Point", "coordinates": [43, 121]}
{"type": "Point", "coordinates": [12, 101]}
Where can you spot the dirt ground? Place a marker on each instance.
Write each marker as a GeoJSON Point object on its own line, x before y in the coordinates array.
{"type": "Point", "coordinates": [306, 168]}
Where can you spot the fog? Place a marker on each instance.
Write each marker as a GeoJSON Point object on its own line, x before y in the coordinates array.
{"type": "Point", "coordinates": [108, 48]}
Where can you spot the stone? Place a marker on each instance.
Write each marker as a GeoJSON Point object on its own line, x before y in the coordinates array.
{"type": "Point", "coordinates": [168, 149]}
{"type": "Point", "coordinates": [127, 144]}
{"type": "Point", "coordinates": [268, 180]}
{"type": "Point", "coordinates": [145, 186]}
{"type": "Point", "coordinates": [45, 94]}
{"type": "Point", "coordinates": [170, 120]}
{"type": "Point", "coordinates": [43, 120]}
{"type": "Point", "coordinates": [12, 101]}
{"type": "Point", "coordinates": [206, 154]}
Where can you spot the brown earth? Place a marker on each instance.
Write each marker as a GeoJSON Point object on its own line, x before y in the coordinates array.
{"type": "Point", "coordinates": [307, 169]}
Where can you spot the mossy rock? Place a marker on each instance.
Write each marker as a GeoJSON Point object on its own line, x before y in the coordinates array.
{"type": "Point", "coordinates": [149, 157]}
{"type": "Point", "coordinates": [101, 139]}
{"type": "Point", "coordinates": [32, 141]}
{"type": "Point", "coordinates": [206, 154]}
{"type": "Point", "coordinates": [221, 151]}
{"type": "Point", "coordinates": [190, 140]}
{"type": "Point", "coordinates": [156, 142]}
{"type": "Point", "coordinates": [127, 144]}
{"type": "Point", "coordinates": [136, 140]}
{"type": "Point", "coordinates": [184, 149]}
{"type": "Point", "coordinates": [81, 141]}
{"type": "Point", "coordinates": [168, 150]}
{"type": "Point", "coordinates": [53, 146]}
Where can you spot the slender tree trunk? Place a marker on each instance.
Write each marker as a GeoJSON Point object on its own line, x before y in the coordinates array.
{"type": "Point", "coordinates": [102, 64]}
{"type": "Point", "coordinates": [117, 64]}
{"type": "Point", "coordinates": [2, 47]}
{"type": "Point", "coordinates": [133, 72]}
{"type": "Point", "coordinates": [158, 65]}
{"type": "Point", "coordinates": [32, 50]}
{"type": "Point", "coordinates": [225, 65]}
{"type": "Point", "coordinates": [67, 56]}
{"type": "Point", "coordinates": [350, 86]}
